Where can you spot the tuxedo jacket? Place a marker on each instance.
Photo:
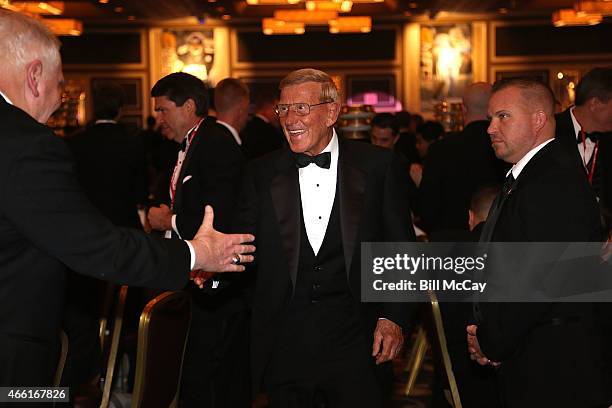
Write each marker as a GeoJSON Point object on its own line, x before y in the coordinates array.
{"type": "Point", "coordinates": [545, 363]}
{"type": "Point", "coordinates": [456, 166]}
{"type": "Point", "coordinates": [47, 225]}
{"type": "Point", "coordinates": [210, 174]}
{"type": "Point", "coordinates": [374, 207]}
{"type": "Point", "coordinates": [567, 137]}
{"type": "Point", "coordinates": [110, 165]}
{"type": "Point", "coordinates": [260, 137]}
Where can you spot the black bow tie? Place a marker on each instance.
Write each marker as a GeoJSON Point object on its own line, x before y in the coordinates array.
{"type": "Point", "coordinates": [322, 160]}
{"type": "Point", "coordinates": [593, 136]}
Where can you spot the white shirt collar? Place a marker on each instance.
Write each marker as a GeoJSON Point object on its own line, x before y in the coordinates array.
{"type": "Point", "coordinates": [262, 117]}
{"type": "Point", "coordinates": [106, 121]}
{"type": "Point", "coordinates": [6, 98]}
{"type": "Point", "coordinates": [233, 131]}
{"type": "Point", "coordinates": [520, 165]}
{"type": "Point", "coordinates": [577, 127]}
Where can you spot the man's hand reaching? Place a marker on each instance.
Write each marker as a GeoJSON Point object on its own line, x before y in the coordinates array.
{"type": "Point", "coordinates": [218, 252]}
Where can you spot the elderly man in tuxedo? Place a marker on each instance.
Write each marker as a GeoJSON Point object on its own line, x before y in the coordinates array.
{"type": "Point", "coordinates": [47, 224]}
{"type": "Point", "coordinates": [312, 205]}
{"type": "Point", "coordinates": [545, 354]}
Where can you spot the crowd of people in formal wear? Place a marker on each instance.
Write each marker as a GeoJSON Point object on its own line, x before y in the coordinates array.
{"type": "Point", "coordinates": [214, 184]}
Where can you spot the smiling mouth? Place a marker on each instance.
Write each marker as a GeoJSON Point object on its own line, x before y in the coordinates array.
{"type": "Point", "coordinates": [296, 132]}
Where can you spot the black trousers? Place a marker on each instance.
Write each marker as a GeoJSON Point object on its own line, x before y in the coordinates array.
{"type": "Point", "coordinates": [216, 364]}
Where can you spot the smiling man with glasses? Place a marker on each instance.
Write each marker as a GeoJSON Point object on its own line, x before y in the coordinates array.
{"type": "Point", "coordinates": [312, 205]}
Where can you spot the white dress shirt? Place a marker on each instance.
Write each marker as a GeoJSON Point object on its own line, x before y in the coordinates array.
{"type": "Point", "coordinates": [587, 152]}
{"type": "Point", "coordinates": [6, 98]}
{"type": "Point", "coordinates": [317, 192]}
{"type": "Point", "coordinates": [520, 165]}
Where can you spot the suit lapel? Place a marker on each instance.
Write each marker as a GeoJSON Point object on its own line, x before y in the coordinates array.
{"type": "Point", "coordinates": [351, 188]}
{"type": "Point", "coordinates": [179, 182]}
{"type": "Point", "coordinates": [285, 191]}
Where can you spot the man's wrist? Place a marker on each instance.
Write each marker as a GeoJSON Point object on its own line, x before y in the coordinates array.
{"type": "Point", "coordinates": [192, 255]}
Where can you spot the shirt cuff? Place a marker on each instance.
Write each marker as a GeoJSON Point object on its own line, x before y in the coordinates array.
{"type": "Point", "coordinates": [173, 222]}
{"type": "Point", "coordinates": [192, 255]}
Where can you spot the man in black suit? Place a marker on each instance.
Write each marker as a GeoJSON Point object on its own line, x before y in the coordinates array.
{"type": "Point", "coordinates": [581, 128]}
{"type": "Point", "coordinates": [207, 172]}
{"type": "Point", "coordinates": [110, 166]}
{"type": "Point", "coordinates": [546, 354]}
{"type": "Point", "coordinates": [110, 160]}
{"type": "Point", "coordinates": [261, 134]}
{"type": "Point", "coordinates": [312, 205]}
{"type": "Point", "coordinates": [457, 165]}
{"type": "Point", "coordinates": [47, 224]}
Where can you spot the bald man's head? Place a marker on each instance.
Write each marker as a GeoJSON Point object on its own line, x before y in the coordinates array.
{"type": "Point", "coordinates": [475, 101]}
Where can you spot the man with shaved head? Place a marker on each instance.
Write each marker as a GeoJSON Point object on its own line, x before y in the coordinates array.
{"type": "Point", "coordinates": [546, 355]}
{"type": "Point", "coordinates": [458, 164]}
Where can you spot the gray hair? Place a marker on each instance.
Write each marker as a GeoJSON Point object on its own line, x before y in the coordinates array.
{"type": "Point", "coordinates": [329, 92]}
{"type": "Point", "coordinates": [23, 39]}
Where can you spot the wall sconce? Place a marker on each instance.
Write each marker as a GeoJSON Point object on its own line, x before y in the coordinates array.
{"type": "Point", "coordinates": [593, 7]}
{"type": "Point", "coordinates": [354, 24]}
{"type": "Point", "coordinates": [306, 16]}
{"type": "Point", "coordinates": [64, 26]}
{"type": "Point", "coordinates": [53, 7]}
{"type": "Point", "coordinates": [343, 6]}
{"type": "Point", "coordinates": [569, 17]}
{"type": "Point", "coordinates": [272, 26]}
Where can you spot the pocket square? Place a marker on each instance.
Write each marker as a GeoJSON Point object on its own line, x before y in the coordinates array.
{"type": "Point", "coordinates": [187, 178]}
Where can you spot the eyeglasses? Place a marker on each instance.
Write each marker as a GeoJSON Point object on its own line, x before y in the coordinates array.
{"type": "Point", "coordinates": [301, 109]}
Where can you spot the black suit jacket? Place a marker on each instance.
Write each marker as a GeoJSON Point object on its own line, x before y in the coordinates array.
{"type": "Point", "coordinates": [110, 165]}
{"type": "Point", "coordinates": [46, 225]}
{"type": "Point", "coordinates": [210, 174]}
{"type": "Point", "coordinates": [456, 166]}
{"type": "Point", "coordinates": [260, 137]}
{"type": "Point", "coordinates": [566, 135]}
{"type": "Point", "coordinates": [544, 364]}
{"type": "Point", "coordinates": [374, 207]}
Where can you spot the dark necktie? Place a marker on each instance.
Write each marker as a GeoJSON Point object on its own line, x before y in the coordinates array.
{"type": "Point", "coordinates": [322, 160]}
{"type": "Point", "coordinates": [184, 145]}
{"type": "Point", "coordinates": [508, 183]}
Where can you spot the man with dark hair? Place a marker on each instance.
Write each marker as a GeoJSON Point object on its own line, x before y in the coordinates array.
{"type": "Point", "coordinates": [385, 130]}
{"type": "Point", "coordinates": [544, 199]}
{"type": "Point", "coordinates": [581, 130]}
{"type": "Point", "coordinates": [47, 224]}
{"type": "Point", "coordinates": [261, 134]}
{"type": "Point", "coordinates": [407, 140]}
{"type": "Point", "coordinates": [313, 340]}
{"type": "Point", "coordinates": [208, 171]}
{"type": "Point", "coordinates": [457, 165]}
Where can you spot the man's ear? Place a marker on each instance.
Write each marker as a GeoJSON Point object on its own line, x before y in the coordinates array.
{"type": "Point", "coordinates": [333, 112]}
{"type": "Point", "coordinates": [34, 71]}
{"type": "Point", "coordinates": [538, 120]}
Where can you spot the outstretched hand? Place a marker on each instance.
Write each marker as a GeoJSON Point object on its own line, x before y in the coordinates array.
{"type": "Point", "coordinates": [217, 252]}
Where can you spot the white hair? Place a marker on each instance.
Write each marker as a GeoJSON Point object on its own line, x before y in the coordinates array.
{"type": "Point", "coordinates": [24, 39]}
